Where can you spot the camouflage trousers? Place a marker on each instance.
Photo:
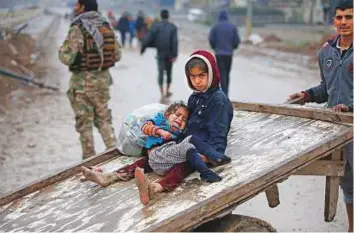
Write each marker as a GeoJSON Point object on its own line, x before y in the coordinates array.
{"type": "Point", "coordinates": [91, 109]}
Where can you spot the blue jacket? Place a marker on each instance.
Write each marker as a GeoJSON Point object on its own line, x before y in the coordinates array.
{"type": "Point", "coordinates": [336, 85]}
{"type": "Point", "coordinates": [160, 121]}
{"type": "Point", "coordinates": [123, 24]}
{"type": "Point", "coordinates": [223, 37]}
{"type": "Point", "coordinates": [210, 117]}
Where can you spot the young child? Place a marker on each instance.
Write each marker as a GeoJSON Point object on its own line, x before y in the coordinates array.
{"type": "Point", "coordinates": [210, 116]}
{"type": "Point", "coordinates": [163, 153]}
{"type": "Point", "coordinates": [211, 111]}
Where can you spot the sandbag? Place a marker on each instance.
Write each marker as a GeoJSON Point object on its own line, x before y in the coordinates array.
{"type": "Point", "coordinates": [130, 138]}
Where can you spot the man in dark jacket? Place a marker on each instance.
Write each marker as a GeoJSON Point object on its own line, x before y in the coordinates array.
{"type": "Point", "coordinates": [163, 36]}
{"type": "Point", "coordinates": [123, 26]}
{"type": "Point", "coordinates": [224, 38]}
{"type": "Point", "coordinates": [336, 87]}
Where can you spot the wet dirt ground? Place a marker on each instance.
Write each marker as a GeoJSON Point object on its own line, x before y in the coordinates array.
{"type": "Point", "coordinates": [38, 138]}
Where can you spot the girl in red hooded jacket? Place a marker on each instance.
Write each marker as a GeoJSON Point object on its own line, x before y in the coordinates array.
{"type": "Point", "coordinates": [210, 118]}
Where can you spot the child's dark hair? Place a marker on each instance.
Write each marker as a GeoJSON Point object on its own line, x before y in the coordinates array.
{"type": "Point", "coordinates": [194, 62]}
{"type": "Point", "coordinates": [90, 5]}
{"type": "Point", "coordinates": [173, 107]}
{"type": "Point", "coordinates": [344, 4]}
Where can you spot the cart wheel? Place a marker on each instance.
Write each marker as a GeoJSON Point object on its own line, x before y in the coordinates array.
{"type": "Point", "coordinates": [236, 223]}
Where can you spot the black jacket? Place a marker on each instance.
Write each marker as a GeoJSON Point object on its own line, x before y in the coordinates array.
{"type": "Point", "coordinates": [163, 36]}
{"type": "Point", "coordinates": [123, 24]}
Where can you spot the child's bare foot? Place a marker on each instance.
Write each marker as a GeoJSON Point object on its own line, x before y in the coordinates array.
{"type": "Point", "coordinates": [96, 169]}
{"type": "Point", "coordinates": [155, 188]}
{"type": "Point", "coordinates": [92, 176]}
{"type": "Point", "coordinates": [103, 179]}
{"type": "Point", "coordinates": [123, 176]}
{"type": "Point", "coordinates": [143, 185]}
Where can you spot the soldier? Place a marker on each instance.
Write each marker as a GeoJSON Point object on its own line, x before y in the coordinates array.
{"type": "Point", "coordinates": [89, 50]}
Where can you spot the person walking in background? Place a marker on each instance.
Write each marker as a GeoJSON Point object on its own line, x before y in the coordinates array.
{"type": "Point", "coordinates": [111, 18]}
{"type": "Point", "coordinates": [224, 39]}
{"type": "Point", "coordinates": [132, 23]}
{"type": "Point", "coordinates": [89, 50]}
{"type": "Point", "coordinates": [336, 87]}
{"type": "Point", "coordinates": [140, 26]}
{"type": "Point", "coordinates": [123, 27]}
{"type": "Point", "coordinates": [163, 36]}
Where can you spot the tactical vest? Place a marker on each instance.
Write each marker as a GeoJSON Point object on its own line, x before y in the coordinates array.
{"type": "Point", "coordinates": [89, 58]}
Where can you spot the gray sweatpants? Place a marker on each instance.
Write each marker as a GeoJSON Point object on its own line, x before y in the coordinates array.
{"type": "Point", "coordinates": [346, 182]}
{"type": "Point", "coordinates": [164, 157]}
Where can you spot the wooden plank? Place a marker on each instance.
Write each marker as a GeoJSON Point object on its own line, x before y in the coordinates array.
{"type": "Point", "coordinates": [316, 114]}
{"type": "Point", "coordinates": [323, 168]}
{"type": "Point", "coordinates": [62, 175]}
{"type": "Point", "coordinates": [299, 100]}
{"type": "Point", "coordinates": [331, 193]}
{"type": "Point", "coordinates": [258, 144]}
{"type": "Point", "coordinates": [272, 194]}
{"type": "Point", "coordinates": [203, 211]}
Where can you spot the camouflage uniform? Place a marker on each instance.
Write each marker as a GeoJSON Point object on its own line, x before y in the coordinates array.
{"type": "Point", "coordinates": [89, 95]}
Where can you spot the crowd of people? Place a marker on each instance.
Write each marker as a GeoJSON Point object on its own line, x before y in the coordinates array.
{"type": "Point", "coordinates": [187, 137]}
{"type": "Point", "coordinates": [126, 24]}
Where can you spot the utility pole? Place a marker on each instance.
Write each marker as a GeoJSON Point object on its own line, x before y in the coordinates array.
{"type": "Point", "coordinates": [249, 19]}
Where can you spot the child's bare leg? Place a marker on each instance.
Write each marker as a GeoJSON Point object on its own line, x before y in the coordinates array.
{"type": "Point", "coordinates": [103, 179]}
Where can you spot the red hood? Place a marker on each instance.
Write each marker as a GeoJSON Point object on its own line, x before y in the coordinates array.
{"type": "Point", "coordinates": [208, 58]}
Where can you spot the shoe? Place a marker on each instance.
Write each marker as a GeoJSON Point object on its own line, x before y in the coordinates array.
{"type": "Point", "coordinates": [210, 176]}
{"type": "Point", "coordinates": [218, 161]}
{"type": "Point", "coordinates": [168, 94]}
{"type": "Point", "coordinates": [162, 100]}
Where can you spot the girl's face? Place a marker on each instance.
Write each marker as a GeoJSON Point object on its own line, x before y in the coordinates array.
{"type": "Point", "coordinates": [199, 78]}
{"type": "Point", "coordinates": [179, 118]}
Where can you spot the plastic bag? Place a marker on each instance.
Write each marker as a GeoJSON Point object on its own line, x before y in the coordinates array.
{"type": "Point", "coordinates": [130, 139]}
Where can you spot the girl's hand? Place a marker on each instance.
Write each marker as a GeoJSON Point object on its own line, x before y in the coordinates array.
{"type": "Point", "coordinates": [164, 134]}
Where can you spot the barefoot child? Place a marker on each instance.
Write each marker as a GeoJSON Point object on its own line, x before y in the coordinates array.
{"type": "Point", "coordinates": [164, 130]}
{"type": "Point", "coordinates": [210, 116]}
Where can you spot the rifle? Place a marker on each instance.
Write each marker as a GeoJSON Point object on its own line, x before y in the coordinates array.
{"type": "Point", "coordinates": [7, 73]}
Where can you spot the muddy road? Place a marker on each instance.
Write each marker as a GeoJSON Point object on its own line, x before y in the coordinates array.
{"type": "Point", "coordinates": [37, 136]}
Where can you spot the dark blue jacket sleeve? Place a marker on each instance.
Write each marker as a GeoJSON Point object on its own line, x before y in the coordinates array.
{"type": "Point", "coordinates": [212, 38]}
{"type": "Point", "coordinates": [191, 104]}
{"type": "Point", "coordinates": [218, 125]}
{"type": "Point", "coordinates": [174, 43]}
{"type": "Point", "coordinates": [319, 93]}
{"type": "Point", "coordinates": [236, 40]}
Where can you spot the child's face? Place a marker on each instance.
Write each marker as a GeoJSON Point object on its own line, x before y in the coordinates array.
{"type": "Point", "coordinates": [179, 118]}
{"type": "Point", "coordinates": [199, 78]}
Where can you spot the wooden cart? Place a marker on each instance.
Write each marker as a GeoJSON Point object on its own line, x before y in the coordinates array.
{"type": "Point", "coordinates": [267, 143]}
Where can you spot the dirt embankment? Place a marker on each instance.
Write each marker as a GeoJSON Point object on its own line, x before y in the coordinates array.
{"type": "Point", "coordinates": [300, 41]}
{"type": "Point", "coordinates": [22, 55]}
{"type": "Point", "coordinates": [15, 56]}
{"type": "Point", "coordinates": [308, 48]}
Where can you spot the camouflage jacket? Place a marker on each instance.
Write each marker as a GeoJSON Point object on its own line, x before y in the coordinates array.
{"type": "Point", "coordinates": [85, 80]}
